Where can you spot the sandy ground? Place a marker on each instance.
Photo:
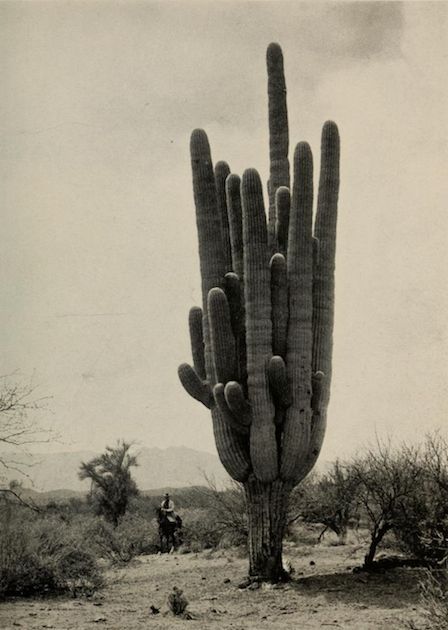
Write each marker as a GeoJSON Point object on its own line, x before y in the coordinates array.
{"type": "Point", "coordinates": [324, 593]}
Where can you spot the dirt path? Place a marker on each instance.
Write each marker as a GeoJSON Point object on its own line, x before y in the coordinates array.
{"type": "Point", "coordinates": [325, 594]}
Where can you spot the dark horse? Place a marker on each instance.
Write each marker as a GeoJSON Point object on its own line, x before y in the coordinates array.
{"type": "Point", "coordinates": [168, 529]}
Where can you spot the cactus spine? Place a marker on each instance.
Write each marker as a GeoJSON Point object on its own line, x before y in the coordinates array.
{"type": "Point", "coordinates": [262, 342]}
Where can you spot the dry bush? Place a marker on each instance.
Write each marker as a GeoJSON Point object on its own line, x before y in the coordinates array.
{"type": "Point", "coordinates": [200, 530]}
{"type": "Point", "coordinates": [43, 556]}
{"type": "Point", "coordinates": [434, 595]}
{"type": "Point", "coordinates": [133, 536]}
{"type": "Point", "coordinates": [423, 529]}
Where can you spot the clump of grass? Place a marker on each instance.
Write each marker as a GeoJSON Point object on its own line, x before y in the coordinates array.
{"type": "Point", "coordinates": [434, 594]}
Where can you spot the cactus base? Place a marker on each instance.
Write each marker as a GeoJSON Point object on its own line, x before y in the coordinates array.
{"type": "Point", "coordinates": [267, 505]}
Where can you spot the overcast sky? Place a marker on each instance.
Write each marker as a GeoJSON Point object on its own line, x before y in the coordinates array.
{"type": "Point", "coordinates": [98, 256]}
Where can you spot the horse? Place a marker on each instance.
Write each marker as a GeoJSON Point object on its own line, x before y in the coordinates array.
{"type": "Point", "coordinates": [168, 527]}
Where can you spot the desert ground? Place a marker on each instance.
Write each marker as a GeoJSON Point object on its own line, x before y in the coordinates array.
{"type": "Point", "coordinates": [324, 593]}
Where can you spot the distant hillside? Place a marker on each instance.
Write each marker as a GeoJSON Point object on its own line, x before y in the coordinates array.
{"type": "Point", "coordinates": [173, 467]}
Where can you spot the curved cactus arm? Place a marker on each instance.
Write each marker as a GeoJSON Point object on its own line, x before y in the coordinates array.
{"type": "Point", "coordinates": [222, 171]}
{"type": "Point", "coordinates": [232, 447]}
{"type": "Point", "coordinates": [279, 298]}
{"type": "Point", "coordinates": [233, 197]}
{"type": "Point", "coordinates": [257, 294]}
{"type": "Point", "coordinates": [278, 131]}
{"type": "Point", "coordinates": [197, 340]}
{"type": "Point", "coordinates": [299, 342]}
{"type": "Point", "coordinates": [237, 402]}
{"type": "Point", "coordinates": [194, 385]}
{"type": "Point", "coordinates": [232, 420]}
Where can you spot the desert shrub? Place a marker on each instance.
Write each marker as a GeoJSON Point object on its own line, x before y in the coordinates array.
{"type": "Point", "coordinates": [132, 536]}
{"type": "Point", "coordinates": [200, 530]}
{"type": "Point", "coordinates": [386, 479]}
{"type": "Point", "coordinates": [330, 500]}
{"type": "Point", "coordinates": [301, 533]}
{"type": "Point", "coordinates": [222, 520]}
{"type": "Point", "coordinates": [42, 556]}
{"type": "Point", "coordinates": [423, 530]}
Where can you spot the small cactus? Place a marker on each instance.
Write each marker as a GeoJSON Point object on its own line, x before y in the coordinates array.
{"type": "Point", "coordinates": [262, 342]}
{"type": "Point", "coordinates": [178, 603]}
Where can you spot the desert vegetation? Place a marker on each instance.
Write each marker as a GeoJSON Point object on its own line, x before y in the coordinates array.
{"type": "Point", "coordinates": [387, 508]}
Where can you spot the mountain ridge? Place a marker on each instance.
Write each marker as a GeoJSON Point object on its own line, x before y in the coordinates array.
{"type": "Point", "coordinates": [175, 466]}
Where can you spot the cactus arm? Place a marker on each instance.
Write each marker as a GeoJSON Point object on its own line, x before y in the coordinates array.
{"type": "Point", "coordinates": [209, 229]}
{"type": "Point", "coordinates": [232, 419]}
{"type": "Point", "coordinates": [232, 452]}
{"type": "Point", "coordinates": [222, 171]}
{"type": "Point", "coordinates": [299, 343]}
{"type": "Point", "coordinates": [237, 402]}
{"type": "Point", "coordinates": [233, 197]}
{"type": "Point", "coordinates": [197, 340]}
{"type": "Point", "coordinates": [221, 334]}
{"type": "Point", "coordinates": [232, 287]}
{"type": "Point", "coordinates": [278, 131]}
{"type": "Point", "coordinates": [279, 298]}
{"type": "Point", "coordinates": [325, 232]}
{"type": "Point", "coordinates": [282, 208]}
{"type": "Point", "coordinates": [324, 250]}
{"type": "Point", "coordinates": [232, 447]}
{"type": "Point", "coordinates": [257, 295]}
{"type": "Point", "coordinates": [194, 385]}
{"type": "Point", "coordinates": [278, 381]}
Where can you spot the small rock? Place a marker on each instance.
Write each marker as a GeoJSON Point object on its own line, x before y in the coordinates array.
{"type": "Point", "coordinates": [203, 577]}
{"type": "Point", "coordinates": [99, 620]}
{"type": "Point", "coordinates": [312, 563]}
{"type": "Point", "coordinates": [154, 610]}
{"type": "Point", "coordinates": [245, 583]}
{"type": "Point", "coordinates": [97, 603]}
{"type": "Point", "coordinates": [227, 581]}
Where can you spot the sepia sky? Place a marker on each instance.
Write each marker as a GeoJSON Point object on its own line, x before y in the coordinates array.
{"type": "Point", "coordinates": [98, 254]}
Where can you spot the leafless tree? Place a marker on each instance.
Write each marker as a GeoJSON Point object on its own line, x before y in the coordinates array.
{"type": "Point", "coordinates": [386, 479]}
{"type": "Point", "coordinates": [19, 428]}
{"type": "Point", "coordinates": [330, 500]}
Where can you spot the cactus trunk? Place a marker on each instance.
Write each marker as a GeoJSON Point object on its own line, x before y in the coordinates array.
{"type": "Point", "coordinates": [262, 342]}
{"type": "Point", "coordinates": [267, 505]}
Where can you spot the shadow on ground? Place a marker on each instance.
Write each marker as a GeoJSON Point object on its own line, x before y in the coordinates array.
{"type": "Point", "coordinates": [393, 589]}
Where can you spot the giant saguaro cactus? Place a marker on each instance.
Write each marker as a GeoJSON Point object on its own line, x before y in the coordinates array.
{"type": "Point", "coordinates": [262, 341]}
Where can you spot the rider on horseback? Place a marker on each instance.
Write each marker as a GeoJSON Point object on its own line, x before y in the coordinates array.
{"type": "Point", "coordinates": [167, 508]}
{"type": "Point", "coordinates": [170, 525]}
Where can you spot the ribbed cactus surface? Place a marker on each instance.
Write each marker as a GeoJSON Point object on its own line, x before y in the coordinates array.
{"type": "Point", "coordinates": [262, 342]}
